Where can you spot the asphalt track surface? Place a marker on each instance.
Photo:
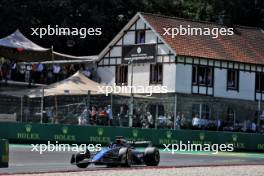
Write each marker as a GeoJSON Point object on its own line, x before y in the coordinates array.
{"type": "Point", "coordinates": [23, 160]}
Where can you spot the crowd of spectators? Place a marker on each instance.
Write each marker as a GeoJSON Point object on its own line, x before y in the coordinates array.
{"type": "Point", "coordinates": [199, 123]}
{"type": "Point", "coordinates": [94, 116]}
{"type": "Point", "coordinates": [104, 116]}
{"type": "Point", "coordinates": [40, 73]}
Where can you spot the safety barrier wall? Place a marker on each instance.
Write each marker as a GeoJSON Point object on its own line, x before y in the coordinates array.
{"type": "Point", "coordinates": [32, 133]}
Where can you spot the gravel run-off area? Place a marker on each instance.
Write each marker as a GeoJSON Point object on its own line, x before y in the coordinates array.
{"type": "Point", "coordinates": [250, 170]}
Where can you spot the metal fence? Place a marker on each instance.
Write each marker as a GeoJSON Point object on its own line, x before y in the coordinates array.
{"type": "Point", "coordinates": [171, 111]}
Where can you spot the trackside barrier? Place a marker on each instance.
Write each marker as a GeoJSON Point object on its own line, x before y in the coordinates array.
{"type": "Point", "coordinates": [32, 133]}
{"type": "Point", "coordinates": [4, 153]}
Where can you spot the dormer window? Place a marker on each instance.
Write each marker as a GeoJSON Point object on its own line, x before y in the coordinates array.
{"type": "Point", "coordinates": [140, 37]}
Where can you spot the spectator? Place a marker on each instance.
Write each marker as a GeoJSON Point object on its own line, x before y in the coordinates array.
{"type": "Point", "coordinates": [28, 74]}
{"type": "Point", "coordinates": [93, 115]}
{"type": "Point", "coordinates": [49, 76]}
{"type": "Point", "coordinates": [102, 116]}
{"type": "Point", "coordinates": [203, 123]}
{"type": "Point", "coordinates": [56, 72]}
{"type": "Point", "coordinates": [87, 72]}
{"type": "Point", "coordinates": [72, 69]}
{"type": "Point", "coordinates": [33, 73]}
{"type": "Point", "coordinates": [109, 115]}
{"type": "Point", "coordinates": [64, 72]}
{"type": "Point", "coordinates": [178, 121]}
{"type": "Point", "coordinates": [253, 127]}
{"type": "Point", "coordinates": [50, 114]}
{"type": "Point", "coordinates": [183, 122]}
{"type": "Point", "coordinates": [82, 120]}
{"type": "Point", "coordinates": [122, 116]}
{"type": "Point", "coordinates": [39, 72]}
{"type": "Point", "coordinates": [13, 71]}
{"type": "Point", "coordinates": [169, 121]}
{"type": "Point", "coordinates": [150, 120]}
{"type": "Point", "coordinates": [137, 118]}
{"type": "Point", "coordinates": [218, 124]}
{"type": "Point", "coordinates": [22, 70]}
{"type": "Point", "coordinates": [195, 122]}
{"type": "Point", "coordinates": [144, 122]}
{"type": "Point", "coordinates": [161, 121]}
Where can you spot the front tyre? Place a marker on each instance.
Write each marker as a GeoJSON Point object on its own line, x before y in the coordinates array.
{"type": "Point", "coordinates": [80, 157]}
{"type": "Point", "coordinates": [125, 156]}
{"type": "Point", "coordinates": [151, 156]}
{"type": "Point", "coordinates": [128, 159]}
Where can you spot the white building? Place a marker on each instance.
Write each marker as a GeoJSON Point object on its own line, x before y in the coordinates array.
{"type": "Point", "coordinates": [227, 70]}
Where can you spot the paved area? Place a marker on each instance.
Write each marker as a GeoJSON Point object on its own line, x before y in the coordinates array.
{"type": "Point", "coordinates": [190, 171]}
{"type": "Point", "coordinates": [23, 160]}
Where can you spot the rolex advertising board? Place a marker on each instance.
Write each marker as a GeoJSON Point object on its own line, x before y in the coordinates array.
{"type": "Point", "coordinates": [104, 135]}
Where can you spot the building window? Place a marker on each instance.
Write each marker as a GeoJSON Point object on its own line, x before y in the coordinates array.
{"type": "Point", "coordinates": [156, 73]}
{"type": "Point", "coordinates": [232, 79]}
{"type": "Point", "coordinates": [202, 75]}
{"type": "Point", "coordinates": [201, 110]}
{"type": "Point", "coordinates": [121, 74]}
{"type": "Point", "coordinates": [140, 36]}
{"type": "Point", "coordinates": [259, 82]}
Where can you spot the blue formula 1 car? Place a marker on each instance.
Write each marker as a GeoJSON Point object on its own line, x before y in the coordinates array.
{"type": "Point", "coordinates": [119, 153]}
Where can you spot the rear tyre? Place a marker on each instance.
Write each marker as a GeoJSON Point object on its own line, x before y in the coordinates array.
{"type": "Point", "coordinates": [152, 156]}
{"type": "Point", "coordinates": [80, 157]}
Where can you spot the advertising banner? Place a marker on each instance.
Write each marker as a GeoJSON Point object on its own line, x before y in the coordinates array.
{"type": "Point", "coordinates": [28, 132]}
{"type": "Point", "coordinates": [139, 53]}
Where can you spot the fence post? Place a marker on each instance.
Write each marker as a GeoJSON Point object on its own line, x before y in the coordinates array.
{"type": "Point", "coordinates": [42, 106]}
{"type": "Point", "coordinates": [4, 153]}
{"type": "Point", "coordinates": [21, 109]}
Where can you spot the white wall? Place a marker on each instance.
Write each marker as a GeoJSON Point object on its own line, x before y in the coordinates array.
{"type": "Point", "coordinates": [169, 76]}
{"type": "Point", "coordinates": [116, 51]}
{"type": "Point", "coordinates": [150, 37]}
{"type": "Point", "coordinates": [183, 78]}
{"type": "Point", "coordinates": [141, 72]}
{"type": "Point", "coordinates": [129, 38]}
{"type": "Point", "coordinates": [141, 76]}
{"type": "Point", "coordinates": [246, 85]}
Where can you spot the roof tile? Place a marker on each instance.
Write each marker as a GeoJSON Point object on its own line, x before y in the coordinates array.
{"type": "Point", "coordinates": [246, 45]}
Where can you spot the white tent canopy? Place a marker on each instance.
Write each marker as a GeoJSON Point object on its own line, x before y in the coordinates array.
{"type": "Point", "coordinates": [34, 52]}
{"type": "Point", "coordinates": [77, 84]}
{"type": "Point", "coordinates": [18, 40]}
